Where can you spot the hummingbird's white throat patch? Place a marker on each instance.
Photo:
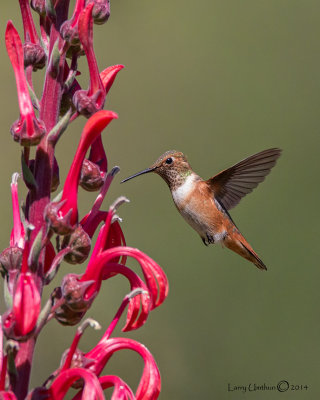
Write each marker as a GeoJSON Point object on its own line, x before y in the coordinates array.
{"type": "Point", "coordinates": [182, 192]}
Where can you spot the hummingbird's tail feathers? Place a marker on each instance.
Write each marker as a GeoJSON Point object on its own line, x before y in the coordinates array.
{"type": "Point", "coordinates": [239, 245]}
{"type": "Point", "coordinates": [255, 259]}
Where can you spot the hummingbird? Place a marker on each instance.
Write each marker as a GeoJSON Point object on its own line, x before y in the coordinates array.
{"type": "Point", "coordinates": [205, 204]}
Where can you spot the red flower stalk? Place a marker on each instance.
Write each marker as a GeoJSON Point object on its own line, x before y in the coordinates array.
{"type": "Point", "coordinates": [28, 130]}
{"type": "Point", "coordinates": [32, 261]}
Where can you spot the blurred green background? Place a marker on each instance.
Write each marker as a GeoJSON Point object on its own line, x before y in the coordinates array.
{"type": "Point", "coordinates": [218, 80]}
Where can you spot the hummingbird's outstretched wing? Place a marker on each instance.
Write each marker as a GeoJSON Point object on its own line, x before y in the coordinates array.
{"type": "Point", "coordinates": [230, 185]}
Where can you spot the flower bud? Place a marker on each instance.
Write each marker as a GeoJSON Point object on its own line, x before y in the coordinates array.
{"type": "Point", "coordinates": [100, 11]}
{"type": "Point", "coordinates": [39, 6]}
{"type": "Point", "coordinates": [69, 32]}
{"type": "Point", "coordinates": [28, 130]}
{"type": "Point", "coordinates": [59, 222]}
{"type": "Point", "coordinates": [74, 291]}
{"type": "Point", "coordinates": [66, 316]}
{"type": "Point", "coordinates": [11, 258]}
{"type": "Point", "coordinates": [91, 178]}
{"type": "Point", "coordinates": [76, 305]}
{"type": "Point", "coordinates": [34, 55]}
{"type": "Point", "coordinates": [88, 105]}
{"type": "Point", "coordinates": [79, 243]}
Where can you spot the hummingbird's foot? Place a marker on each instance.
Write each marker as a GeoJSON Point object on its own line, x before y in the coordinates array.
{"type": "Point", "coordinates": [205, 242]}
{"type": "Point", "coordinates": [209, 240]}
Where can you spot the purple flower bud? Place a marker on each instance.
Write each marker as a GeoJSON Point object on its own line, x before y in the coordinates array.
{"type": "Point", "coordinates": [39, 6]}
{"type": "Point", "coordinates": [87, 105]}
{"type": "Point", "coordinates": [100, 11]}
{"type": "Point", "coordinates": [34, 55]}
{"type": "Point", "coordinates": [79, 243]}
{"type": "Point", "coordinates": [11, 258]}
{"type": "Point", "coordinates": [59, 222]}
{"type": "Point", "coordinates": [74, 290]}
{"type": "Point", "coordinates": [91, 178]}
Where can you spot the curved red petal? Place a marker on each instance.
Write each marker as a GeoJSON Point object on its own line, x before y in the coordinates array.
{"type": "Point", "coordinates": [92, 389]}
{"type": "Point", "coordinates": [109, 74]}
{"type": "Point", "coordinates": [150, 382]}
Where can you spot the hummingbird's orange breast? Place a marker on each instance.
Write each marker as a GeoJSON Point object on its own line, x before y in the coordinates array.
{"type": "Point", "coordinates": [195, 202]}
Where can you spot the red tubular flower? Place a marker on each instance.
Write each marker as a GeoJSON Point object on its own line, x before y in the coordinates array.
{"type": "Point", "coordinates": [91, 221]}
{"type": "Point", "coordinates": [108, 76]}
{"type": "Point", "coordinates": [103, 266]}
{"type": "Point", "coordinates": [91, 391]}
{"type": "Point", "coordinates": [28, 130]}
{"type": "Point", "coordinates": [4, 395]}
{"type": "Point", "coordinates": [33, 52]}
{"type": "Point", "coordinates": [88, 102]}
{"type": "Point", "coordinates": [63, 216]}
{"type": "Point", "coordinates": [97, 153]}
{"type": "Point", "coordinates": [150, 383]}
{"type": "Point", "coordinates": [121, 390]}
{"type": "Point", "coordinates": [69, 29]}
{"type": "Point", "coordinates": [26, 300]}
{"type": "Point", "coordinates": [26, 304]}
{"type": "Point", "coordinates": [156, 279]}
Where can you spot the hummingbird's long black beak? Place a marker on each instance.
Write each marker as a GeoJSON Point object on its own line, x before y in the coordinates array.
{"type": "Point", "coordinates": [145, 171]}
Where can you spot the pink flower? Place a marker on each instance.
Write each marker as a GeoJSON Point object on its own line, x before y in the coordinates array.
{"type": "Point", "coordinates": [28, 130]}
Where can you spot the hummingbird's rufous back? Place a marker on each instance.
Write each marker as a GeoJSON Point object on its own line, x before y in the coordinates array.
{"type": "Point", "coordinates": [205, 204]}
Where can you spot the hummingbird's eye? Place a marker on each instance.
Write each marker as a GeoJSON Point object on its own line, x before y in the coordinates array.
{"type": "Point", "coordinates": [169, 160]}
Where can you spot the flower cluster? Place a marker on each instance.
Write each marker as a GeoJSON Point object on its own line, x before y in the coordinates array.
{"type": "Point", "coordinates": [47, 231]}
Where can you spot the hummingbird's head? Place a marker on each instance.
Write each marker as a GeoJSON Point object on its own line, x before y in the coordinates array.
{"type": "Point", "coordinates": [172, 166]}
